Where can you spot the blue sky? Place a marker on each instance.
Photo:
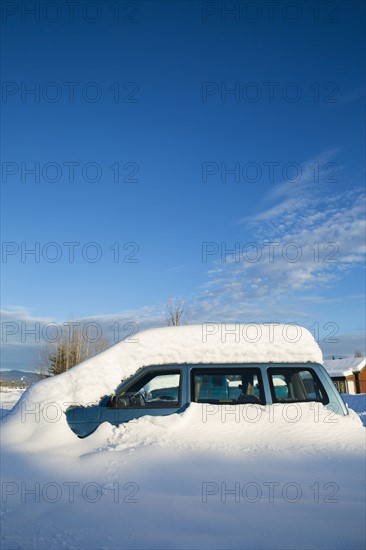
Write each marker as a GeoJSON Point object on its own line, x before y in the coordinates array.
{"type": "Point", "coordinates": [226, 129]}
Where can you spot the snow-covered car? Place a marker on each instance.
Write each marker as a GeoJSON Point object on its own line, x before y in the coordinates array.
{"type": "Point", "coordinates": [220, 365]}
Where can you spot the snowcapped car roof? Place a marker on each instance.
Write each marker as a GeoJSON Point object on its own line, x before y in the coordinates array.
{"type": "Point", "coordinates": [205, 343]}
{"type": "Point", "coordinates": [221, 343]}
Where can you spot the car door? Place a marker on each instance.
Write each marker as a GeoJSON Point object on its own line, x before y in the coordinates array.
{"type": "Point", "coordinates": [155, 393]}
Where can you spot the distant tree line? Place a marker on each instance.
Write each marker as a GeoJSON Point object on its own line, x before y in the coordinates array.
{"type": "Point", "coordinates": [70, 350]}
{"type": "Point", "coordinates": [74, 347]}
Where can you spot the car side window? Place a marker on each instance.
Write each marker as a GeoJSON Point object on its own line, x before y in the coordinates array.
{"type": "Point", "coordinates": [153, 390]}
{"type": "Point", "coordinates": [227, 386]}
{"type": "Point", "coordinates": [280, 386]}
{"type": "Point", "coordinates": [295, 385]}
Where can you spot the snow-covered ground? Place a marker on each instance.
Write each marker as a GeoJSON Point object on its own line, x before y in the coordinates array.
{"type": "Point", "coordinates": [8, 398]}
{"type": "Point", "coordinates": [266, 478]}
{"type": "Point", "coordinates": [284, 476]}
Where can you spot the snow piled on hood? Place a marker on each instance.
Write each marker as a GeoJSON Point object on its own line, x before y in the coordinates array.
{"type": "Point", "coordinates": [88, 382]}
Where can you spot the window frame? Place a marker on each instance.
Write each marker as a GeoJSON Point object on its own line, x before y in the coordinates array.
{"type": "Point", "coordinates": [222, 370]}
{"type": "Point", "coordinates": [273, 371]}
{"type": "Point", "coordinates": [153, 405]}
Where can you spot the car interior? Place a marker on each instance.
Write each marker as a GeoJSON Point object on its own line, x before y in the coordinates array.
{"type": "Point", "coordinates": [231, 386]}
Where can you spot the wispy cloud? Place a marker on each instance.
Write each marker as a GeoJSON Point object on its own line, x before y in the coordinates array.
{"type": "Point", "coordinates": [297, 192]}
{"type": "Point", "coordinates": [306, 237]}
{"type": "Point", "coordinates": [24, 336]}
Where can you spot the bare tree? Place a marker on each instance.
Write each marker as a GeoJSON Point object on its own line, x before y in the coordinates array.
{"type": "Point", "coordinates": [174, 312]}
{"type": "Point", "coordinates": [42, 361]}
{"type": "Point", "coordinates": [72, 348]}
{"type": "Point", "coordinates": [358, 353]}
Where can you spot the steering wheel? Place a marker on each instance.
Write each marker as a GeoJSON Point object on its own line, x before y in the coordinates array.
{"type": "Point", "coordinates": [136, 400]}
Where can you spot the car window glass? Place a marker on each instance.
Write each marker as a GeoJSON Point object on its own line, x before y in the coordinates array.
{"type": "Point", "coordinates": [152, 390]}
{"type": "Point", "coordinates": [280, 386]}
{"type": "Point", "coordinates": [295, 385]}
{"type": "Point", "coordinates": [233, 386]}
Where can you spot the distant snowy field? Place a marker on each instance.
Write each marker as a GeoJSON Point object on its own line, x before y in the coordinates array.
{"type": "Point", "coordinates": [190, 481]}
{"type": "Point", "coordinates": [8, 398]}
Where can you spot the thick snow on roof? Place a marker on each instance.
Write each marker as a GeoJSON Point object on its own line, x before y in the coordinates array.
{"type": "Point", "coordinates": [344, 367]}
{"type": "Point", "coordinates": [100, 375]}
{"type": "Point", "coordinates": [206, 343]}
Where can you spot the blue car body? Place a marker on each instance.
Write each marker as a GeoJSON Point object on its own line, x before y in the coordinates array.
{"type": "Point", "coordinates": [162, 390]}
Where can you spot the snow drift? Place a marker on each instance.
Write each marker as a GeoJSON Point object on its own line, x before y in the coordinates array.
{"type": "Point", "coordinates": [88, 382]}
{"type": "Point", "coordinates": [183, 468]}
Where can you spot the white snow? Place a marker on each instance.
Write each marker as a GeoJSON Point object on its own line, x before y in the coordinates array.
{"type": "Point", "coordinates": [89, 381]}
{"type": "Point", "coordinates": [344, 367]}
{"type": "Point", "coordinates": [8, 398]}
{"type": "Point", "coordinates": [206, 343]}
{"type": "Point", "coordinates": [276, 477]}
{"type": "Point", "coordinates": [286, 476]}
